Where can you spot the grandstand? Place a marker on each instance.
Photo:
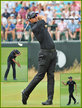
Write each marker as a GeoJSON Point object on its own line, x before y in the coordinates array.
{"type": "Point", "coordinates": [14, 13]}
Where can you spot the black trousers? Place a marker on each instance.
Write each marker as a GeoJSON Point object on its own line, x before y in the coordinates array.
{"type": "Point", "coordinates": [71, 96]}
{"type": "Point", "coordinates": [8, 68]}
{"type": "Point", "coordinates": [46, 63]}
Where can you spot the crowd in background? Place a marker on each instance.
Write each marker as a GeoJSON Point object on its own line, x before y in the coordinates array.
{"type": "Point", "coordinates": [63, 19]}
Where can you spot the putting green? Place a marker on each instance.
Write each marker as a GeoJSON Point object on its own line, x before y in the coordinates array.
{"type": "Point", "coordinates": [64, 89]}
{"type": "Point", "coordinates": [21, 73]}
{"type": "Point", "coordinates": [11, 94]}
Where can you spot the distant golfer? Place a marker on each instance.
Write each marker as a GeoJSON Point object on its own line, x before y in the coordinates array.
{"type": "Point", "coordinates": [46, 60]}
{"type": "Point", "coordinates": [71, 84]}
{"type": "Point", "coordinates": [11, 61]}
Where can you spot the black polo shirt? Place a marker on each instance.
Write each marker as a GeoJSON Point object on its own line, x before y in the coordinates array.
{"type": "Point", "coordinates": [71, 85]}
{"type": "Point", "coordinates": [42, 35]}
{"type": "Point", "coordinates": [12, 55]}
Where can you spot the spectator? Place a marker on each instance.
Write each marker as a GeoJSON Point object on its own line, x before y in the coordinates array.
{"type": "Point", "coordinates": [20, 17]}
{"type": "Point", "coordinates": [3, 21]}
{"type": "Point", "coordinates": [67, 2]}
{"type": "Point", "coordinates": [6, 14]}
{"type": "Point", "coordinates": [2, 32]}
{"type": "Point", "coordinates": [72, 29]}
{"type": "Point", "coordinates": [53, 29]}
{"type": "Point", "coordinates": [75, 7]}
{"type": "Point", "coordinates": [49, 15]}
{"type": "Point", "coordinates": [66, 12]}
{"type": "Point", "coordinates": [27, 30]}
{"type": "Point", "coordinates": [78, 29]}
{"type": "Point", "coordinates": [33, 7]}
{"type": "Point", "coordinates": [3, 24]}
{"type": "Point", "coordinates": [40, 11]}
{"type": "Point", "coordinates": [10, 29]}
{"type": "Point", "coordinates": [22, 13]}
{"type": "Point", "coordinates": [18, 7]}
{"type": "Point", "coordinates": [25, 7]}
{"type": "Point", "coordinates": [12, 19]}
{"type": "Point", "coordinates": [19, 29]}
{"type": "Point", "coordinates": [58, 9]}
{"type": "Point", "coordinates": [14, 12]}
{"type": "Point", "coordinates": [9, 8]}
{"type": "Point", "coordinates": [62, 29]}
{"type": "Point", "coordinates": [68, 6]}
{"type": "Point", "coordinates": [20, 3]}
{"type": "Point", "coordinates": [73, 16]}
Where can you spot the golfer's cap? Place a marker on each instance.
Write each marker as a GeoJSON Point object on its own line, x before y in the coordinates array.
{"type": "Point", "coordinates": [12, 15]}
{"type": "Point", "coordinates": [19, 20]}
{"type": "Point", "coordinates": [31, 14]}
{"type": "Point", "coordinates": [17, 52]}
{"type": "Point", "coordinates": [70, 77]}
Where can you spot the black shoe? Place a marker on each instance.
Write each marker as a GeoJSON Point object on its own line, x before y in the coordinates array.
{"type": "Point", "coordinates": [48, 102]}
{"type": "Point", "coordinates": [68, 104]}
{"type": "Point", "coordinates": [5, 79]}
{"type": "Point", "coordinates": [75, 102]}
{"type": "Point", "coordinates": [24, 99]}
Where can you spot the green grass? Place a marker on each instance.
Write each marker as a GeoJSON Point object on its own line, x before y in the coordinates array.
{"type": "Point", "coordinates": [11, 94]}
{"type": "Point", "coordinates": [64, 89]}
{"type": "Point", "coordinates": [21, 73]}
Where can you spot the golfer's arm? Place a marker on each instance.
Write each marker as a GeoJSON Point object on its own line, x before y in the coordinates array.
{"type": "Point", "coordinates": [14, 61]}
{"type": "Point", "coordinates": [76, 87]}
{"type": "Point", "coordinates": [64, 83]}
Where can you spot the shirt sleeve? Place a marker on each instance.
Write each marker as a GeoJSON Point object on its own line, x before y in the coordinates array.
{"type": "Point", "coordinates": [41, 23]}
{"type": "Point", "coordinates": [74, 82]}
{"type": "Point", "coordinates": [67, 82]}
{"type": "Point", "coordinates": [37, 27]}
{"type": "Point", "coordinates": [12, 57]}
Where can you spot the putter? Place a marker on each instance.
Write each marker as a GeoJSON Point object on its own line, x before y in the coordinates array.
{"type": "Point", "coordinates": [77, 99]}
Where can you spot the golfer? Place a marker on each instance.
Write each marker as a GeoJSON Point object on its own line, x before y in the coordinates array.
{"type": "Point", "coordinates": [11, 61]}
{"type": "Point", "coordinates": [71, 84]}
{"type": "Point", "coordinates": [46, 60]}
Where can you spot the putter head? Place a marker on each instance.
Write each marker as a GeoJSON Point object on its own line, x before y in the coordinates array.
{"type": "Point", "coordinates": [77, 102]}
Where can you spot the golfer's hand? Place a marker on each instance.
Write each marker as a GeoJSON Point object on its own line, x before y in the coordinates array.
{"type": "Point", "coordinates": [62, 82]}
{"type": "Point", "coordinates": [18, 65]}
